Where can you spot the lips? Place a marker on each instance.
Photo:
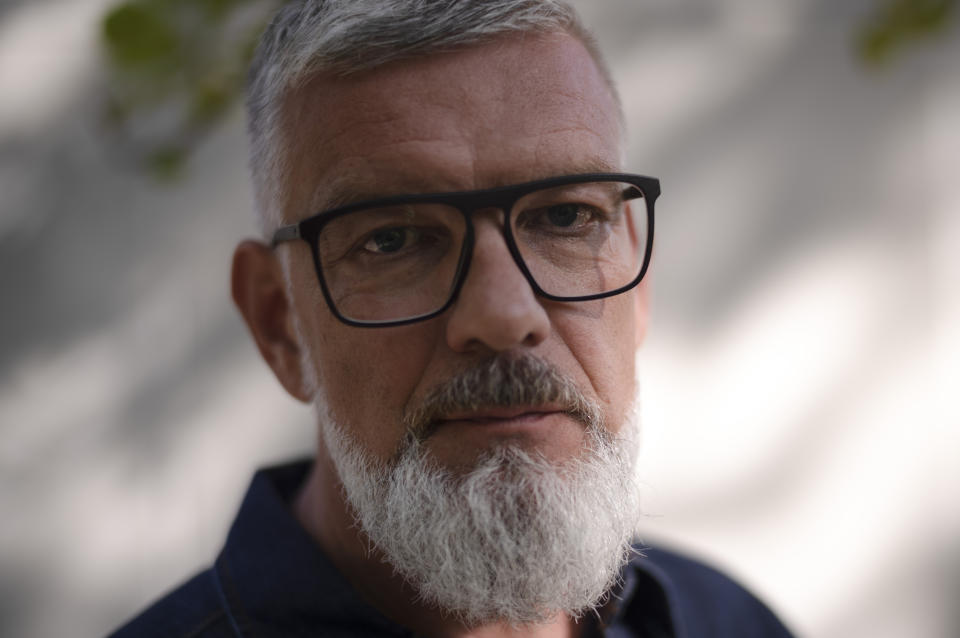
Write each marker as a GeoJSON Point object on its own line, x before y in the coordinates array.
{"type": "Point", "coordinates": [499, 414]}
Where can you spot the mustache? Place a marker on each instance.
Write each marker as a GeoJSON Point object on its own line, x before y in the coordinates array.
{"type": "Point", "coordinates": [501, 381]}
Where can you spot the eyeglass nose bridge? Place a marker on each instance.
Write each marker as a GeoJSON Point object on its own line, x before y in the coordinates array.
{"type": "Point", "coordinates": [502, 198]}
{"type": "Point", "coordinates": [472, 203]}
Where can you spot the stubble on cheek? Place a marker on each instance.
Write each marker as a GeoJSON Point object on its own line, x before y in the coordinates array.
{"type": "Point", "coordinates": [603, 343]}
{"type": "Point", "coordinates": [369, 376]}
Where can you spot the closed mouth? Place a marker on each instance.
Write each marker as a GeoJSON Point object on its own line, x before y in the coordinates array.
{"type": "Point", "coordinates": [499, 414]}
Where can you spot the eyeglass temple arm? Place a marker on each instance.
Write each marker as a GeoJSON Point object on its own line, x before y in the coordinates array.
{"type": "Point", "coordinates": [287, 233]}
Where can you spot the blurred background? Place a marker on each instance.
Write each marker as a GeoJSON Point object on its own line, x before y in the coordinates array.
{"type": "Point", "coordinates": [801, 425]}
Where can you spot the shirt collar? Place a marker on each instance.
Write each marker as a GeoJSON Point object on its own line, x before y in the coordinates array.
{"type": "Point", "coordinates": [275, 579]}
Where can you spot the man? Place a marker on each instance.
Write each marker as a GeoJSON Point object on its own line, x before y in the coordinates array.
{"type": "Point", "coordinates": [463, 313]}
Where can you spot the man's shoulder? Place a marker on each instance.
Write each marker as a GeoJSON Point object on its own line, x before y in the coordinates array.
{"type": "Point", "coordinates": [192, 610]}
{"type": "Point", "coordinates": [705, 601]}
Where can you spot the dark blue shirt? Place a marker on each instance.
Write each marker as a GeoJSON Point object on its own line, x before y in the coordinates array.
{"type": "Point", "coordinates": [271, 580]}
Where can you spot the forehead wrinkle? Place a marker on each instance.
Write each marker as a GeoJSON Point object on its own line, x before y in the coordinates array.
{"type": "Point", "coordinates": [310, 124]}
{"type": "Point", "coordinates": [478, 139]}
{"type": "Point", "coordinates": [346, 188]}
{"type": "Point", "coordinates": [577, 160]}
{"type": "Point", "coordinates": [360, 175]}
{"type": "Point", "coordinates": [357, 176]}
{"type": "Point", "coordinates": [359, 179]}
{"type": "Point", "coordinates": [363, 178]}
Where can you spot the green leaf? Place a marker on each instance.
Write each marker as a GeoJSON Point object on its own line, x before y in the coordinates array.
{"type": "Point", "coordinates": [137, 35]}
{"type": "Point", "coordinates": [897, 23]}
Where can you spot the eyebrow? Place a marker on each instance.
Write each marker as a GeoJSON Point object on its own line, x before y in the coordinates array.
{"type": "Point", "coordinates": [342, 190]}
{"type": "Point", "coordinates": [346, 189]}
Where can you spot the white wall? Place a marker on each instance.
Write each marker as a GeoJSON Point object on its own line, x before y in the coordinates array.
{"type": "Point", "coordinates": [799, 429]}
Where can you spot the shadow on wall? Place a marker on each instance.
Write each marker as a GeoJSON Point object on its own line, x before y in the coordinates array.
{"type": "Point", "coordinates": [123, 366]}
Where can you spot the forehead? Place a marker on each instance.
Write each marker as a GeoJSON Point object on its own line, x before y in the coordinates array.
{"type": "Point", "coordinates": [511, 110]}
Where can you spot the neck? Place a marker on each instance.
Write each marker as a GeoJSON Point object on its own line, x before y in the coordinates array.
{"type": "Point", "coordinates": [322, 510]}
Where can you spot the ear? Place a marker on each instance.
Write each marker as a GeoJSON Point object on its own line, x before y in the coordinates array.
{"type": "Point", "coordinates": [259, 291]}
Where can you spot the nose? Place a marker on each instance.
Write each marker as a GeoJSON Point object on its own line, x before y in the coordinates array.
{"type": "Point", "coordinates": [496, 308]}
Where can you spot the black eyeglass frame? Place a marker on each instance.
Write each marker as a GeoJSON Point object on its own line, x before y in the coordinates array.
{"type": "Point", "coordinates": [467, 202]}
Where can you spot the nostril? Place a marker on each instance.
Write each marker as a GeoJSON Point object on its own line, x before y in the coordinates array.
{"type": "Point", "coordinates": [485, 322]}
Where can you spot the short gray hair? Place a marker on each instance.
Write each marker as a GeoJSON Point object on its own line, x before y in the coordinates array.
{"type": "Point", "coordinates": [344, 37]}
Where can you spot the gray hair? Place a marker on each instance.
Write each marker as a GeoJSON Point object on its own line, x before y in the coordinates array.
{"type": "Point", "coordinates": [343, 37]}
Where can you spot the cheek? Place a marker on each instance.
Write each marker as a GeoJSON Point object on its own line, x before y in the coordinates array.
{"type": "Point", "coordinates": [367, 376]}
{"type": "Point", "coordinates": [605, 347]}
{"type": "Point", "coordinates": [623, 354]}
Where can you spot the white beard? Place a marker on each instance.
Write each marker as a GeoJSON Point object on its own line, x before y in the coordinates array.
{"type": "Point", "coordinates": [516, 539]}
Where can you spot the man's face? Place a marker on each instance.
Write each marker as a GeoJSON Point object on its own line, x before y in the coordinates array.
{"type": "Point", "coordinates": [510, 111]}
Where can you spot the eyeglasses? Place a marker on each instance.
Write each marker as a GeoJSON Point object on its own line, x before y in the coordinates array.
{"type": "Point", "coordinates": [398, 260]}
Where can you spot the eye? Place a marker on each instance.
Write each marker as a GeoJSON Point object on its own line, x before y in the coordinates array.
{"type": "Point", "coordinates": [561, 219]}
{"type": "Point", "coordinates": [565, 215]}
{"type": "Point", "coordinates": [390, 240]}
